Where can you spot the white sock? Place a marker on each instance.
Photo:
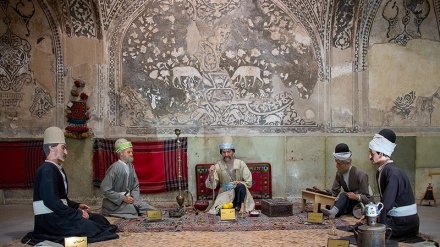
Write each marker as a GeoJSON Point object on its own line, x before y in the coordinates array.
{"type": "Point", "coordinates": [334, 210]}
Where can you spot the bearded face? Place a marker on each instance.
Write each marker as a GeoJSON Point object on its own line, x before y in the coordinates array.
{"type": "Point", "coordinates": [228, 155]}
{"type": "Point", "coordinates": [59, 153]}
{"type": "Point", "coordinates": [342, 166]}
{"type": "Point", "coordinates": [126, 155]}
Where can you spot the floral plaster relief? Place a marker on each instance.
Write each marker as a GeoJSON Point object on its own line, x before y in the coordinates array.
{"type": "Point", "coordinates": [218, 63]}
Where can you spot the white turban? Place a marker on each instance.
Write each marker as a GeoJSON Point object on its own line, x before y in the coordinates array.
{"type": "Point", "coordinates": [382, 145]}
{"type": "Point", "coordinates": [226, 143]}
{"type": "Point", "coordinates": [342, 156]}
{"type": "Point", "coordinates": [226, 146]}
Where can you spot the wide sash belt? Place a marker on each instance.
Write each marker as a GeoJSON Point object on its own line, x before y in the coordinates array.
{"type": "Point", "coordinates": [403, 211]}
{"type": "Point", "coordinates": [40, 208]}
{"type": "Point", "coordinates": [227, 186]}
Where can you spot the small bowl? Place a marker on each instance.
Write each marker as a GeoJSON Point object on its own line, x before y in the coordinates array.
{"type": "Point", "coordinates": [254, 213]}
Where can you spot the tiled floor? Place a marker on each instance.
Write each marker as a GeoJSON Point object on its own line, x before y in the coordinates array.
{"type": "Point", "coordinates": [17, 220]}
{"type": "Point", "coordinates": [430, 220]}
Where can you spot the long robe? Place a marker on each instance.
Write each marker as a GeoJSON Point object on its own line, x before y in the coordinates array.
{"type": "Point", "coordinates": [65, 220]}
{"type": "Point", "coordinates": [221, 175]}
{"type": "Point", "coordinates": [396, 191]}
{"type": "Point", "coordinates": [115, 184]}
{"type": "Point", "coordinates": [357, 183]}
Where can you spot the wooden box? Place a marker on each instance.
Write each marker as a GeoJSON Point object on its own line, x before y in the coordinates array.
{"type": "Point", "coordinates": [276, 207]}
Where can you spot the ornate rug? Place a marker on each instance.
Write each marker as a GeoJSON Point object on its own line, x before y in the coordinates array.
{"type": "Point", "coordinates": [207, 222]}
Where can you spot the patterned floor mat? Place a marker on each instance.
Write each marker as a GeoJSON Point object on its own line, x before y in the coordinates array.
{"type": "Point", "coordinates": [206, 222]}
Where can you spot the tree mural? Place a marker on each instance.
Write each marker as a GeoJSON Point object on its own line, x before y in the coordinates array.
{"type": "Point", "coordinates": [223, 63]}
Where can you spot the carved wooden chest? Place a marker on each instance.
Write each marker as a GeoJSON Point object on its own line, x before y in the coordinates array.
{"type": "Point", "coordinates": [276, 207]}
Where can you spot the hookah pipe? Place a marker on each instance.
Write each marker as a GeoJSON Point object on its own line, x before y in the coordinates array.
{"type": "Point", "coordinates": [179, 198]}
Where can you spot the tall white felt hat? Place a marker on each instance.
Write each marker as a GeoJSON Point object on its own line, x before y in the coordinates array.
{"type": "Point", "coordinates": [54, 135]}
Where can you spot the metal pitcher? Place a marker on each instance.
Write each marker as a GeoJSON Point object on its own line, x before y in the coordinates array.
{"type": "Point", "coordinates": [371, 236]}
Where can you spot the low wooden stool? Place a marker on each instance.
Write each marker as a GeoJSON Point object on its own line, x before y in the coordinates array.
{"type": "Point", "coordinates": [318, 200]}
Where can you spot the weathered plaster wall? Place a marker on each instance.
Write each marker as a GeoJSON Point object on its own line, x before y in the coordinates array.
{"type": "Point", "coordinates": [404, 86]}
{"type": "Point", "coordinates": [27, 71]}
{"type": "Point", "coordinates": [427, 165]}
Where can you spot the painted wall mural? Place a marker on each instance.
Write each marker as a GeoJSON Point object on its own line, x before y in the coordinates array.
{"type": "Point", "coordinates": [404, 19]}
{"type": "Point", "coordinates": [15, 57]}
{"type": "Point", "coordinates": [112, 9]}
{"type": "Point", "coordinates": [29, 70]}
{"type": "Point", "coordinates": [417, 108]}
{"type": "Point", "coordinates": [411, 96]}
{"type": "Point", "coordinates": [343, 24]}
{"type": "Point", "coordinates": [79, 18]}
{"type": "Point", "coordinates": [207, 66]}
{"type": "Point", "coordinates": [216, 64]}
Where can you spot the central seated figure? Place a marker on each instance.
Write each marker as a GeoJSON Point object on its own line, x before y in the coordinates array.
{"type": "Point", "coordinates": [261, 184]}
{"type": "Point", "coordinates": [232, 181]}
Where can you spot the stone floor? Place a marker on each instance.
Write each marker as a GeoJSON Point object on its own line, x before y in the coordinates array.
{"type": "Point", "coordinates": [17, 220]}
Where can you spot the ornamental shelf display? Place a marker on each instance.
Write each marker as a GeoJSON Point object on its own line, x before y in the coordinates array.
{"type": "Point", "coordinates": [77, 113]}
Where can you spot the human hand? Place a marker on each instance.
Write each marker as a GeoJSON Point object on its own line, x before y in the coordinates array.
{"type": "Point", "coordinates": [85, 215]}
{"type": "Point", "coordinates": [128, 199]}
{"type": "Point", "coordinates": [363, 220]}
{"type": "Point", "coordinates": [235, 183]}
{"type": "Point", "coordinates": [352, 196]}
{"type": "Point", "coordinates": [84, 207]}
{"type": "Point", "coordinates": [211, 171]}
{"type": "Point", "coordinates": [316, 188]}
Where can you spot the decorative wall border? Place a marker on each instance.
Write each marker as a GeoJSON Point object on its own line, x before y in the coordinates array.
{"type": "Point", "coordinates": [59, 66]}
{"type": "Point", "coordinates": [115, 35]}
{"type": "Point", "coordinates": [311, 28]}
{"type": "Point", "coordinates": [369, 10]}
{"type": "Point", "coordinates": [110, 10]}
{"type": "Point", "coordinates": [139, 131]}
{"type": "Point", "coordinates": [437, 13]}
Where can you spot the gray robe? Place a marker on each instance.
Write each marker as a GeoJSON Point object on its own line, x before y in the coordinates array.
{"type": "Point", "coordinates": [115, 185]}
{"type": "Point", "coordinates": [357, 183]}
